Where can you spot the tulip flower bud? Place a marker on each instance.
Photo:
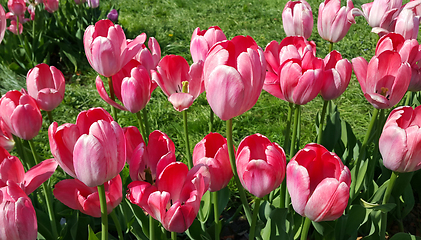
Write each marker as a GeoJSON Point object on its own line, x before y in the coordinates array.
{"type": "Point", "coordinates": [202, 42]}
{"type": "Point", "coordinates": [51, 5]}
{"type": "Point", "coordinates": [113, 15]}
{"type": "Point", "coordinates": [17, 7]}
{"type": "Point", "coordinates": [2, 23]}
{"type": "Point", "coordinates": [336, 76]}
{"type": "Point", "coordinates": [297, 19]}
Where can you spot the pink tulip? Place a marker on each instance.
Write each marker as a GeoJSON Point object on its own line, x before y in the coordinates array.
{"type": "Point", "coordinates": [148, 162]}
{"type": "Point", "coordinates": [203, 40]}
{"type": "Point", "coordinates": [93, 3]}
{"type": "Point", "coordinates": [318, 183]}
{"type": "Point", "coordinates": [76, 195]}
{"type": "Point", "coordinates": [133, 139]}
{"type": "Point", "coordinates": [6, 138]}
{"type": "Point", "coordinates": [46, 85]}
{"type": "Point", "coordinates": [106, 47]}
{"type": "Point", "coordinates": [31, 10]}
{"type": "Point", "coordinates": [172, 71]}
{"type": "Point", "coordinates": [407, 23]}
{"type": "Point", "coordinates": [174, 200]}
{"type": "Point", "coordinates": [18, 220]}
{"type": "Point", "coordinates": [93, 150]}
{"type": "Point", "coordinates": [2, 23]}
{"type": "Point", "coordinates": [294, 72]}
{"type": "Point", "coordinates": [132, 86]}
{"type": "Point", "coordinates": [51, 5]}
{"type": "Point", "coordinates": [384, 80]}
{"type": "Point", "coordinates": [234, 73]}
{"type": "Point", "coordinates": [334, 21]}
{"type": "Point", "coordinates": [212, 151]}
{"type": "Point", "coordinates": [149, 58]}
{"type": "Point", "coordinates": [400, 141]}
{"type": "Point", "coordinates": [20, 114]}
{"type": "Point", "coordinates": [11, 169]}
{"type": "Point", "coordinates": [260, 164]}
{"type": "Point", "coordinates": [17, 7]}
{"type": "Point", "coordinates": [336, 76]}
{"type": "Point", "coordinates": [14, 28]}
{"type": "Point", "coordinates": [297, 19]}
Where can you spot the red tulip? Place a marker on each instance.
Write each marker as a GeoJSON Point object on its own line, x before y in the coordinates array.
{"type": "Point", "coordinates": [336, 76]}
{"type": "Point", "coordinates": [20, 114]}
{"type": "Point", "coordinates": [212, 151]}
{"type": "Point", "coordinates": [203, 40]}
{"type": "Point", "coordinates": [318, 183]}
{"type": "Point", "coordinates": [234, 73]}
{"type": "Point", "coordinates": [297, 19]}
{"type": "Point", "coordinates": [260, 164]}
{"type": "Point", "coordinates": [6, 138]}
{"type": "Point", "coordinates": [46, 85]}
{"type": "Point", "coordinates": [76, 195]}
{"type": "Point", "coordinates": [93, 150]}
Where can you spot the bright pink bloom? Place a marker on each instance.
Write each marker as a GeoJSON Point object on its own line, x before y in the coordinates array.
{"type": "Point", "coordinates": [203, 40]}
{"type": "Point", "coordinates": [384, 80]}
{"type": "Point", "coordinates": [106, 47]}
{"type": "Point", "coordinates": [297, 19]}
{"type": "Point", "coordinates": [407, 23]}
{"type": "Point", "coordinates": [93, 150]}
{"type": "Point", "coordinates": [336, 76]}
{"type": "Point", "coordinates": [400, 142]}
{"type": "Point", "coordinates": [174, 200]}
{"type": "Point", "coordinates": [2, 23]}
{"type": "Point", "coordinates": [17, 7]}
{"type": "Point", "coordinates": [148, 162]}
{"type": "Point", "coordinates": [294, 72]}
{"type": "Point", "coordinates": [76, 195]}
{"type": "Point", "coordinates": [46, 85]}
{"type": "Point", "coordinates": [334, 21]}
{"type": "Point", "coordinates": [234, 73]}
{"type": "Point", "coordinates": [318, 183]}
{"type": "Point", "coordinates": [18, 220]}
{"type": "Point", "coordinates": [93, 3]}
{"type": "Point", "coordinates": [149, 58]}
{"type": "Point", "coordinates": [51, 5]}
{"type": "Point", "coordinates": [13, 27]}
{"type": "Point", "coordinates": [6, 138]}
{"type": "Point", "coordinates": [260, 164]}
{"type": "Point", "coordinates": [212, 151]}
{"type": "Point", "coordinates": [133, 139]}
{"type": "Point", "coordinates": [20, 114]}
{"type": "Point", "coordinates": [173, 70]}
{"type": "Point", "coordinates": [31, 10]}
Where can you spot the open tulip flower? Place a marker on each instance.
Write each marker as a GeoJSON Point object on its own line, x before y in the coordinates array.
{"type": "Point", "coordinates": [203, 40]}
{"type": "Point", "coordinates": [6, 138]}
{"type": "Point", "coordinates": [333, 20]}
{"type": "Point", "coordinates": [294, 72]}
{"type": "Point", "coordinates": [384, 80]}
{"type": "Point", "coordinates": [407, 22]}
{"type": "Point", "coordinates": [106, 47]}
{"type": "Point", "coordinates": [336, 76]}
{"type": "Point", "coordinates": [234, 73]}
{"type": "Point", "coordinates": [173, 70]}
{"type": "Point", "coordinates": [260, 164]}
{"type": "Point", "coordinates": [46, 85]}
{"type": "Point", "coordinates": [17, 7]}
{"type": "Point", "coordinates": [18, 220]}
{"type": "Point", "coordinates": [400, 141]}
{"type": "Point", "coordinates": [93, 150]}
{"type": "Point", "coordinates": [297, 19]}
{"type": "Point", "coordinates": [20, 114]}
{"type": "Point", "coordinates": [174, 199]}
{"type": "Point", "coordinates": [76, 195]}
{"type": "Point", "coordinates": [318, 183]}
{"type": "Point", "coordinates": [51, 5]}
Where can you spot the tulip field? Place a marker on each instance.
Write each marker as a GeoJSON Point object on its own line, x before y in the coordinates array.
{"type": "Point", "coordinates": [190, 119]}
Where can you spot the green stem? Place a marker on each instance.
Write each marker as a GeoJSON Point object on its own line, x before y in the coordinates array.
{"type": "Point", "coordinates": [216, 215]}
{"type": "Point", "coordinates": [322, 119]}
{"type": "Point", "coordinates": [104, 215]}
{"type": "Point", "coordinates": [173, 236]}
{"type": "Point", "coordinates": [186, 135]}
{"type": "Point", "coordinates": [294, 130]}
{"type": "Point", "coordinates": [399, 216]}
{"type": "Point", "coordinates": [152, 224]}
{"type": "Point", "coordinates": [145, 121]}
{"type": "Point", "coordinates": [211, 117]}
{"type": "Point", "coordinates": [47, 195]}
{"type": "Point", "coordinates": [240, 188]}
{"type": "Point", "coordinates": [254, 219]}
{"type": "Point", "coordinates": [386, 197]}
{"type": "Point", "coordinates": [142, 128]}
{"type": "Point", "coordinates": [50, 116]}
{"type": "Point", "coordinates": [288, 128]}
{"type": "Point", "coordinates": [282, 194]}
{"type": "Point", "coordinates": [21, 152]}
{"type": "Point", "coordinates": [112, 96]}
{"type": "Point", "coordinates": [117, 225]}
{"type": "Point", "coordinates": [330, 46]}
{"type": "Point", "coordinates": [305, 228]}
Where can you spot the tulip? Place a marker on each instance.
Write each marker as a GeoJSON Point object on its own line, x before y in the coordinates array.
{"type": "Point", "coordinates": [18, 220]}
{"type": "Point", "coordinates": [31, 10]}
{"type": "Point", "coordinates": [212, 151]}
{"type": "Point", "coordinates": [93, 3]}
{"type": "Point", "coordinates": [6, 138]}
{"type": "Point", "coordinates": [133, 139]}
{"type": "Point", "coordinates": [384, 80]}
{"type": "Point", "coordinates": [51, 5]}
{"type": "Point", "coordinates": [14, 28]}
{"type": "Point", "coordinates": [333, 21]}
{"type": "Point", "coordinates": [20, 114]}
{"type": "Point", "coordinates": [297, 19]}
{"type": "Point", "coordinates": [260, 164]}
{"type": "Point", "coordinates": [174, 200]}
{"type": "Point", "coordinates": [202, 41]}
{"type": "Point", "coordinates": [2, 23]}
{"type": "Point", "coordinates": [336, 76]}
{"type": "Point", "coordinates": [149, 58]}
{"type": "Point", "coordinates": [294, 72]}
{"type": "Point", "coordinates": [407, 23]}
{"type": "Point", "coordinates": [46, 85]}
{"type": "Point", "coordinates": [113, 15]}
{"type": "Point", "coordinates": [172, 71]}
{"type": "Point", "coordinates": [93, 150]}
{"type": "Point", "coordinates": [106, 47]}
{"type": "Point", "coordinates": [234, 73]}
{"type": "Point", "coordinates": [400, 140]}
{"type": "Point", "coordinates": [76, 195]}
{"type": "Point", "coordinates": [79, 1]}
{"type": "Point", "coordinates": [17, 7]}
{"type": "Point", "coordinates": [318, 183]}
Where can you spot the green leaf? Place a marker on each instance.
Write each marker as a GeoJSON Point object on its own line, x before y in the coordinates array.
{"type": "Point", "coordinates": [71, 58]}
{"type": "Point", "coordinates": [378, 207]}
{"type": "Point", "coordinates": [141, 218]}
{"type": "Point", "coordinates": [275, 226]}
{"type": "Point", "coordinates": [408, 200]}
{"type": "Point", "coordinates": [223, 199]}
{"type": "Point", "coordinates": [195, 232]}
{"type": "Point", "coordinates": [92, 235]}
{"type": "Point", "coordinates": [205, 205]}
{"type": "Point", "coordinates": [361, 175]}
{"type": "Point", "coordinates": [347, 225]}
{"type": "Point", "coordinates": [404, 236]}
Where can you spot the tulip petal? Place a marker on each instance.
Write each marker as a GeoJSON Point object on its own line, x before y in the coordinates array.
{"type": "Point", "coordinates": [104, 95]}
{"type": "Point", "coordinates": [39, 174]}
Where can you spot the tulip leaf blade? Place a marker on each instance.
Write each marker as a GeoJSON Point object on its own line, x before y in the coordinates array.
{"type": "Point", "coordinates": [404, 236]}
{"type": "Point", "coordinates": [378, 207]}
{"type": "Point", "coordinates": [347, 225]}
{"type": "Point", "coordinates": [205, 205]}
{"type": "Point", "coordinates": [223, 199]}
{"type": "Point", "coordinates": [275, 226]}
{"type": "Point", "coordinates": [91, 235]}
{"type": "Point", "coordinates": [195, 232]}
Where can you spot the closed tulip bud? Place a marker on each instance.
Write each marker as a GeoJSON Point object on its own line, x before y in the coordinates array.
{"type": "Point", "coordinates": [318, 183]}
{"type": "Point", "coordinates": [336, 76]}
{"type": "Point", "coordinates": [203, 40]}
{"type": "Point", "coordinates": [17, 7]}
{"type": "Point", "coordinates": [113, 15]}
{"type": "Point", "coordinates": [51, 5]}
{"type": "Point", "coordinates": [407, 24]}
{"type": "Point", "coordinates": [93, 3]}
{"type": "Point", "coordinates": [149, 58]}
{"type": "Point", "coordinates": [2, 23]}
{"type": "Point", "coordinates": [297, 19]}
